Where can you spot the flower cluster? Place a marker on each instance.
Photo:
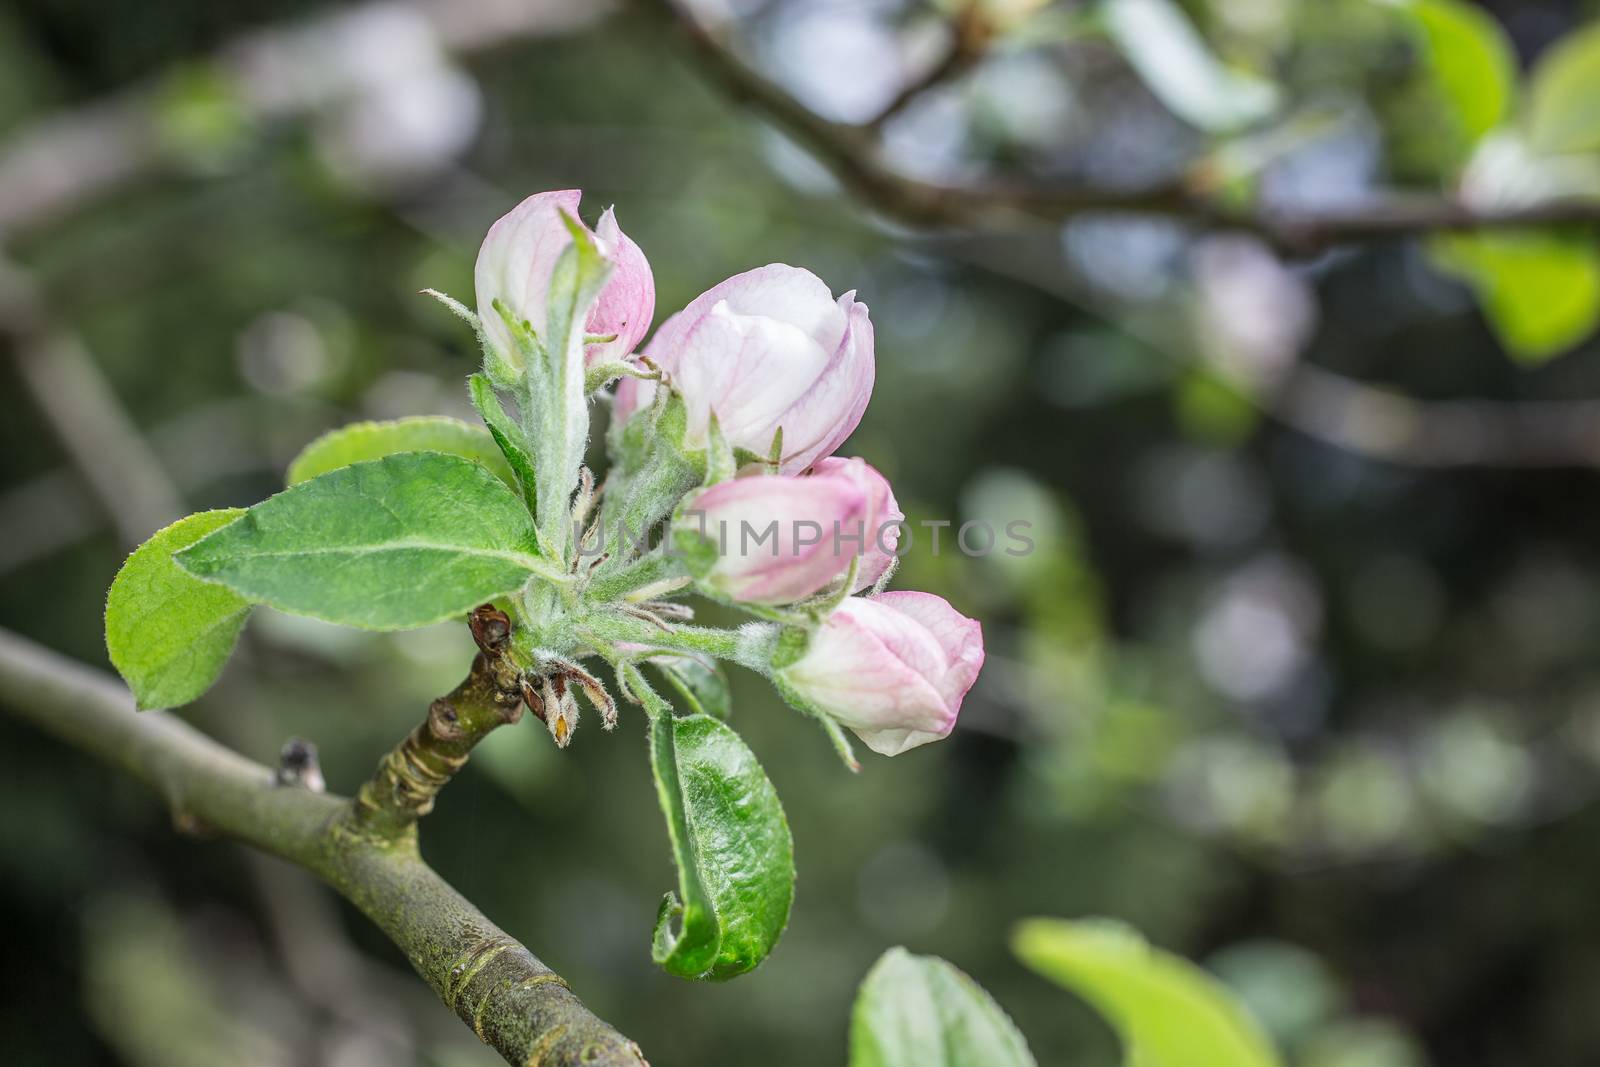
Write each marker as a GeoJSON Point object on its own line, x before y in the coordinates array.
{"type": "Point", "coordinates": [725, 424]}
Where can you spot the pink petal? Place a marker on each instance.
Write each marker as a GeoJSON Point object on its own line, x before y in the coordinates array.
{"type": "Point", "coordinates": [881, 530]}
{"type": "Point", "coordinates": [959, 638]}
{"type": "Point", "coordinates": [776, 569]}
{"type": "Point", "coordinates": [628, 302]}
{"type": "Point", "coordinates": [516, 260]}
{"type": "Point", "coordinates": [825, 416]}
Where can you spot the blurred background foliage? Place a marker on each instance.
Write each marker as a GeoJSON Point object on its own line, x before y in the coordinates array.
{"type": "Point", "coordinates": [1299, 680]}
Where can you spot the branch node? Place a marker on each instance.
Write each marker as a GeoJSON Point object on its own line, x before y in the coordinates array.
{"type": "Point", "coordinates": [189, 824]}
{"type": "Point", "coordinates": [410, 775]}
{"type": "Point", "coordinates": [298, 766]}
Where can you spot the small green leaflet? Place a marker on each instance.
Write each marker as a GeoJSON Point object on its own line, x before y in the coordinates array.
{"type": "Point", "coordinates": [396, 543]}
{"type": "Point", "coordinates": [506, 436]}
{"type": "Point", "coordinates": [1168, 1012]}
{"type": "Point", "coordinates": [1564, 94]}
{"type": "Point", "coordinates": [1539, 291]}
{"type": "Point", "coordinates": [700, 681]}
{"type": "Point", "coordinates": [363, 441]}
{"type": "Point", "coordinates": [169, 634]}
{"type": "Point", "coordinates": [732, 846]}
{"type": "Point", "coordinates": [555, 409]}
{"type": "Point", "coordinates": [919, 1011]}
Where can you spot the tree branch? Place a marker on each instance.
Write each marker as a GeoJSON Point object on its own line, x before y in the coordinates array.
{"type": "Point", "coordinates": [512, 1001]}
{"type": "Point", "coordinates": [88, 420]}
{"type": "Point", "coordinates": [411, 775]}
{"type": "Point", "coordinates": [853, 154]}
{"type": "Point", "coordinates": [1367, 420]}
{"type": "Point", "coordinates": [61, 163]}
{"type": "Point", "coordinates": [970, 31]}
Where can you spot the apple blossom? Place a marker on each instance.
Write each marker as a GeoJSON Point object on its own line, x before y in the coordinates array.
{"type": "Point", "coordinates": [776, 539]}
{"type": "Point", "coordinates": [766, 350]}
{"type": "Point", "coordinates": [518, 257]}
{"type": "Point", "coordinates": [894, 668]}
{"type": "Point", "coordinates": [884, 517]}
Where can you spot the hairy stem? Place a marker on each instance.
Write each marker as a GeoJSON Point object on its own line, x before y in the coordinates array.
{"type": "Point", "coordinates": [750, 645]}
{"type": "Point", "coordinates": [514, 1002]}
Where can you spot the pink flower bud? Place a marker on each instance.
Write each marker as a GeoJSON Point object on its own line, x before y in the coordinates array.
{"type": "Point", "coordinates": [893, 668]}
{"type": "Point", "coordinates": [775, 539]}
{"type": "Point", "coordinates": [881, 529]}
{"type": "Point", "coordinates": [516, 261]}
{"type": "Point", "coordinates": [766, 349]}
{"type": "Point", "coordinates": [770, 539]}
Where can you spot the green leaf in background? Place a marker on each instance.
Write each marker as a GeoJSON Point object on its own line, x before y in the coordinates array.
{"type": "Point", "coordinates": [1471, 60]}
{"type": "Point", "coordinates": [1174, 61]}
{"type": "Point", "coordinates": [169, 633]}
{"type": "Point", "coordinates": [1168, 1012]}
{"type": "Point", "coordinates": [364, 441]}
{"type": "Point", "coordinates": [1564, 95]}
{"type": "Point", "coordinates": [1215, 408]}
{"type": "Point", "coordinates": [507, 437]}
{"type": "Point", "coordinates": [1539, 291]}
{"type": "Point", "coordinates": [732, 845]}
{"type": "Point", "coordinates": [919, 1011]}
{"type": "Point", "coordinates": [701, 682]}
{"type": "Point", "coordinates": [400, 542]}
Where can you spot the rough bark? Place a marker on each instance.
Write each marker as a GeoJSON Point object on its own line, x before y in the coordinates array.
{"type": "Point", "coordinates": [366, 849]}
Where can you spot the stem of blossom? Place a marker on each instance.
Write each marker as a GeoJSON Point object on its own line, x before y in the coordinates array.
{"type": "Point", "coordinates": [509, 998]}
{"type": "Point", "coordinates": [411, 774]}
{"type": "Point", "coordinates": [749, 646]}
{"type": "Point", "coordinates": [652, 571]}
{"type": "Point", "coordinates": [648, 497]}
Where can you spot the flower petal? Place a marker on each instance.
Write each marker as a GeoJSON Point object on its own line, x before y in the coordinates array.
{"type": "Point", "coordinates": [516, 260]}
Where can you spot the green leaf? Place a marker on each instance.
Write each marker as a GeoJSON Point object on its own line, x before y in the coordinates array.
{"type": "Point", "coordinates": [506, 436]}
{"type": "Point", "coordinates": [168, 632]}
{"type": "Point", "coordinates": [364, 441]}
{"type": "Point", "coordinates": [1539, 291]}
{"type": "Point", "coordinates": [396, 543]}
{"type": "Point", "coordinates": [701, 682]}
{"type": "Point", "coordinates": [1471, 61]}
{"type": "Point", "coordinates": [1172, 58]}
{"type": "Point", "coordinates": [732, 846]}
{"type": "Point", "coordinates": [1564, 95]}
{"type": "Point", "coordinates": [919, 1011]}
{"type": "Point", "coordinates": [1168, 1012]}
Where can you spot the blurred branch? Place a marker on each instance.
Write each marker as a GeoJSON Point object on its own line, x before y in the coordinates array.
{"type": "Point", "coordinates": [88, 420]}
{"type": "Point", "coordinates": [196, 448]}
{"type": "Point", "coordinates": [853, 153]}
{"type": "Point", "coordinates": [60, 164]}
{"type": "Point", "coordinates": [969, 36]}
{"type": "Point", "coordinates": [1368, 420]}
{"type": "Point", "coordinates": [512, 1001]}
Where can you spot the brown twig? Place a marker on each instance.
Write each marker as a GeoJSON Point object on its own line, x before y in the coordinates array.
{"type": "Point", "coordinates": [1367, 420]}
{"type": "Point", "coordinates": [61, 163]}
{"type": "Point", "coordinates": [969, 34]}
{"type": "Point", "coordinates": [853, 154]}
{"type": "Point", "coordinates": [510, 999]}
{"type": "Point", "coordinates": [86, 416]}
